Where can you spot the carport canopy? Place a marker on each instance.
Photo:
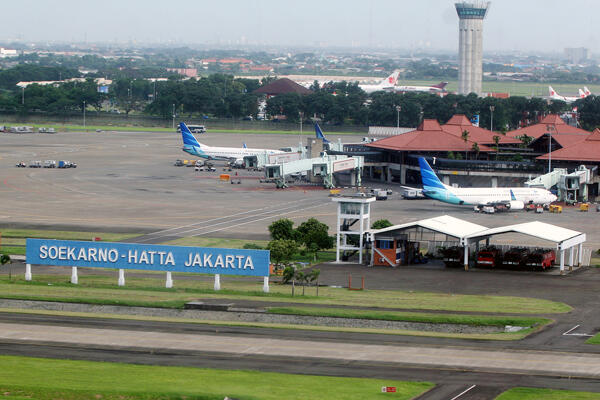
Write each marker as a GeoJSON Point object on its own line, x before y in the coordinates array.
{"type": "Point", "coordinates": [444, 224]}
{"type": "Point", "coordinates": [562, 237]}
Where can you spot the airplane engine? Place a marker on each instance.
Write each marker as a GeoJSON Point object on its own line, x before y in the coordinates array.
{"type": "Point", "coordinates": [516, 205]}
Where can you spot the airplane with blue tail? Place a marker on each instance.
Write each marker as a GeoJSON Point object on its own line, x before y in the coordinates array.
{"type": "Point", "coordinates": [234, 155]}
{"type": "Point", "coordinates": [512, 198]}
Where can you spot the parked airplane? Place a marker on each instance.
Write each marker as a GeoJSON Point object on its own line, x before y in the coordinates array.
{"type": "Point", "coordinates": [388, 84]}
{"type": "Point", "coordinates": [234, 155]}
{"type": "Point", "coordinates": [568, 99]}
{"type": "Point", "coordinates": [586, 91]}
{"type": "Point", "coordinates": [440, 87]}
{"type": "Point", "coordinates": [513, 198]}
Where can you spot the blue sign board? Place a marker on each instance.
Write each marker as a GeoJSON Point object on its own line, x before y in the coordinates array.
{"type": "Point", "coordinates": [201, 260]}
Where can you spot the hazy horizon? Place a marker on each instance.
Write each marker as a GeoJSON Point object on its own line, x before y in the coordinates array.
{"type": "Point", "coordinates": [511, 25]}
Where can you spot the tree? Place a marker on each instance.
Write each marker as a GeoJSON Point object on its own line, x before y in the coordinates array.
{"type": "Point", "coordinates": [282, 229]}
{"type": "Point", "coordinates": [313, 276]}
{"type": "Point", "coordinates": [475, 148]}
{"type": "Point", "coordinates": [465, 137]}
{"type": "Point", "coordinates": [5, 259]}
{"type": "Point", "coordinates": [282, 250]}
{"type": "Point", "coordinates": [314, 235]}
{"type": "Point", "coordinates": [497, 143]}
{"type": "Point", "coordinates": [380, 224]}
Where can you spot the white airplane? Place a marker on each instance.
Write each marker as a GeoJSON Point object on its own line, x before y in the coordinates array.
{"type": "Point", "coordinates": [568, 99]}
{"type": "Point", "coordinates": [513, 198]}
{"type": "Point", "coordinates": [388, 84]}
{"type": "Point", "coordinates": [234, 155]}
{"type": "Point", "coordinates": [586, 91]}
{"type": "Point", "coordinates": [440, 87]}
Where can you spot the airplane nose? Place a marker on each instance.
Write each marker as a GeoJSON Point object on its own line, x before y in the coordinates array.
{"type": "Point", "coordinates": [553, 198]}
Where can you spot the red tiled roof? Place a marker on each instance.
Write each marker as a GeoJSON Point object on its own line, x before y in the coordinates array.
{"type": "Point", "coordinates": [584, 150]}
{"type": "Point", "coordinates": [552, 120]}
{"type": "Point", "coordinates": [459, 123]}
{"type": "Point", "coordinates": [283, 85]}
{"type": "Point", "coordinates": [429, 136]}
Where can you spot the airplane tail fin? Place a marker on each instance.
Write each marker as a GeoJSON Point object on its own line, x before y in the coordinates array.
{"type": "Point", "coordinates": [187, 136]}
{"type": "Point", "coordinates": [551, 91]}
{"type": "Point", "coordinates": [390, 80]}
{"type": "Point", "coordinates": [440, 85]}
{"type": "Point", "coordinates": [586, 91]}
{"type": "Point", "coordinates": [428, 177]}
{"type": "Point", "coordinates": [581, 93]}
{"type": "Point", "coordinates": [512, 196]}
{"type": "Point", "coordinates": [319, 133]}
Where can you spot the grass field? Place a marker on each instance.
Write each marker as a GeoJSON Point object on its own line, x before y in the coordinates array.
{"type": "Point", "coordinates": [42, 379]}
{"type": "Point", "coordinates": [594, 340]}
{"type": "Point", "coordinates": [479, 320]}
{"type": "Point", "coordinates": [546, 394]}
{"type": "Point", "coordinates": [12, 241]}
{"type": "Point", "coordinates": [151, 292]}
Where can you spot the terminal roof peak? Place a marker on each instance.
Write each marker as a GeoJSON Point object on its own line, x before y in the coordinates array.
{"type": "Point", "coordinates": [553, 119]}
{"type": "Point", "coordinates": [459, 119]}
{"type": "Point", "coordinates": [429, 125]}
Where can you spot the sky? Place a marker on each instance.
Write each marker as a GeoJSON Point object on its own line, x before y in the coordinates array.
{"type": "Point", "coordinates": [521, 25]}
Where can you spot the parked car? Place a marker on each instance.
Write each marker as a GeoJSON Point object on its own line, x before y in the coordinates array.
{"type": "Point", "coordinates": [35, 164]}
{"type": "Point", "coordinates": [21, 164]}
{"type": "Point", "coordinates": [49, 164]}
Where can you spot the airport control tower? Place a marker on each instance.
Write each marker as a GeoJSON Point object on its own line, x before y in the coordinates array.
{"type": "Point", "coordinates": [470, 45]}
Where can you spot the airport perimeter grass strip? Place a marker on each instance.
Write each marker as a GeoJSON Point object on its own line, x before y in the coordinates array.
{"type": "Point", "coordinates": [74, 380]}
{"type": "Point", "coordinates": [64, 235]}
{"type": "Point", "coordinates": [502, 336]}
{"type": "Point", "coordinates": [150, 292]}
{"type": "Point", "coordinates": [521, 393]}
{"type": "Point", "coordinates": [476, 320]}
{"type": "Point", "coordinates": [594, 340]}
{"type": "Point", "coordinates": [109, 128]}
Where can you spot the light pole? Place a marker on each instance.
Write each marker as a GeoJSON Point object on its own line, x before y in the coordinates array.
{"type": "Point", "coordinates": [398, 108]}
{"type": "Point", "coordinates": [23, 95]}
{"type": "Point", "coordinates": [300, 137]}
{"type": "Point", "coordinates": [492, 108]}
{"type": "Point", "coordinates": [173, 115]}
{"type": "Point", "coordinates": [84, 115]}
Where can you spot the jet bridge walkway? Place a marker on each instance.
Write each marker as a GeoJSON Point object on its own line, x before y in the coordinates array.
{"type": "Point", "coordinates": [547, 180]}
{"type": "Point", "coordinates": [323, 167]}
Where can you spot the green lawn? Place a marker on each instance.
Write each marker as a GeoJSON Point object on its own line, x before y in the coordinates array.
{"type": "Point", "coordinates": [151, 292]}
{"type": "Point", "coordinates": [479, 320]}
{"type": "Point", "coordinates": [594, 340]}
{"type": "Point", "coordinates": [546, 394]}
{"type": "Point", "coordinates": [24, 377]}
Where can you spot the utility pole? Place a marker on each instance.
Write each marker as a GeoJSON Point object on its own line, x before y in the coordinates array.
{"type": "Point", "coordinates": [173, 115]}
{"type": "Point", "coordinates": [398, 108]}
{"type": "Point", "coordinates": [84, 114]}
{"type": "Point", "coordinates": [492, 108]}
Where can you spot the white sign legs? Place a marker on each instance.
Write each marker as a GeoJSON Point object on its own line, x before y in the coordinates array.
{"type": "Point", "coordinates": [217, 282]}
{"type": "Point", "coordinates": [266, 284]}
{"type": "Point", "coordinates": [121, 277]}
{"type": "Point", "coordinates": [27, 272]}
{"type": "Point", "coordinates": [169, 283]}
{"type": "Point", "coordinates": [74, 278]}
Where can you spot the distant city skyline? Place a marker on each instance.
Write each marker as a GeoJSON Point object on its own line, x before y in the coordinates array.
{"type": "Point", "coordinates": [511, 25]}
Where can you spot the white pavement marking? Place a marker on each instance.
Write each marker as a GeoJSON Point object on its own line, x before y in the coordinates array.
{"type": "Point", "coordinates": [568, 333]}
{"type": "Point", "coordinates": [203, 223]}
{"type": "Point", "coordinates": [518, 361]}
{"type": "Point", "coordinates": [460, 394]}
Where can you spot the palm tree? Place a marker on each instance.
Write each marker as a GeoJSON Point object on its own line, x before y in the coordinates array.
{"type": "Point", "coordinates": [496, 141]}
{"type": "Point", "coordinates": [465, 137]}
{"type": "Point", "coordinates": [476, 150]}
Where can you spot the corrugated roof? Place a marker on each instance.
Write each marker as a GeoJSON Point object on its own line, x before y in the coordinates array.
{"type": "Point", "coordinates": [582, 150]}
{"type": "Point", "coordinates": [540, 230]}
{"type": "Point", "coordinates": [445, 224]}
{"type": "Point", "coordinates": [281, 86]}
{"type": "Point", "coordinates": [429, 136]}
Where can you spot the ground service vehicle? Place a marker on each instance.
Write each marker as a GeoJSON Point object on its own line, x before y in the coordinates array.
{"type": "Point", "coordinates": [194, 128]}
{"type": "Point", "coordinates": [515, 257]}
{"type": "Point", "coordinates": [21, 164]}
{"type": "Point", "coordinates": [49, 164]}
{"type": "Point", "coordinates": [489, 257]}
{"type": "Point", "coordinates": [35, 164]}
{"type": "Point", "coordinates": [453, 256]}
{"type": "Point", "coordinates": [540, 259]}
